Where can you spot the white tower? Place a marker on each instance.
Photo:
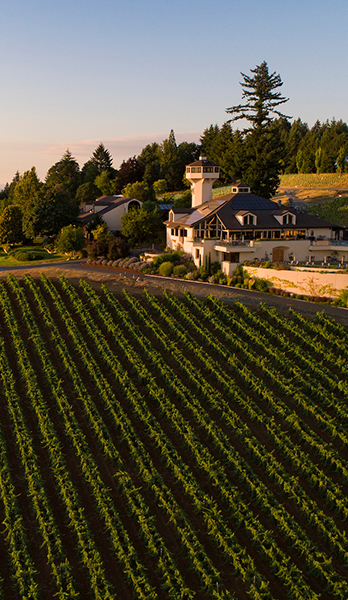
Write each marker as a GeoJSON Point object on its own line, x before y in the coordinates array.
{"type": "Point", "coordinates": [201, 174]}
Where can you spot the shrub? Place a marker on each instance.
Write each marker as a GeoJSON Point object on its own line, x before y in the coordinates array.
{"type": "Point", "coordinates": [261, 285]}
{"type": "Point", "coordinates": [179, 270]}
{"type": "Point", "coordinates": [70, 239]}
{"type": "Point", "coordinates": [342, 300]}
{"type": "Point", "coordinates": [25, 255]}
{"type": "Point", "coordinates": [166, 269]}
{"type": "Point", "coordinates": [167, 257]}
{"type": "Point", "coordinates": [117, 248]}
{"type": "Point", "coordinates": [21, 255]}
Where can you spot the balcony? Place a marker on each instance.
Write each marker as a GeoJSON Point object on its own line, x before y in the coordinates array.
{"type": "Point", "coordinates": [327, 244]}
{"type": "Point", "coordinates": [235, 246]}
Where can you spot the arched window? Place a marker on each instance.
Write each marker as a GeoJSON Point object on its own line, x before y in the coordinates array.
{"type": "Point", "coordinates": [133, 204]}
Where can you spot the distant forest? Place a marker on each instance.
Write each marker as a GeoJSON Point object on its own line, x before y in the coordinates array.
{"type": "Point", "coordinates": [160, 168]}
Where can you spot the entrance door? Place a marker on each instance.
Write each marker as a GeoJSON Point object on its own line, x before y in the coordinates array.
{"type": "Point", "coordinates": [278, 255]}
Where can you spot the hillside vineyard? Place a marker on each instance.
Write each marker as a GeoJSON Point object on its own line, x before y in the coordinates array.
{"type": "Point", "coordinates": [167, 448]}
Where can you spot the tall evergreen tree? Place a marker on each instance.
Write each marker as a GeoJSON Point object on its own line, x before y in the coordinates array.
{"type": "Point", "coordinates": [150, 161]}
{"type": "Point", "coordinates": [296, 134]}
{"type": "Point", "coordinates": [101, 158]}
{"type": "Point", "coordinates": [264, 150]}
{"type": "Point", "coordinates": [65, 172]}
{"type": "Point", "coordinates": [171, 166]}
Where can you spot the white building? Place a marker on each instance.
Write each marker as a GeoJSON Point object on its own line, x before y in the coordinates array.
{"type": "Point", "coordinates": [110, 208]}
{"type": "Point", "coordinates": [241, 226]}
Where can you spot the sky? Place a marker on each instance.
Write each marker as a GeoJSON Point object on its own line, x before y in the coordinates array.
{"type": "Point", "coordinates": [79, 72]}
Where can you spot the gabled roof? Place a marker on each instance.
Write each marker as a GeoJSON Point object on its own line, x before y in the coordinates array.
{"type": "Point", "coordinates": [191, 216]}
{"type": "Point", "coordinates": [108, 202]}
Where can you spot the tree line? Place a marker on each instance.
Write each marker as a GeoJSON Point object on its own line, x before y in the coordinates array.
{"type": "Point", "coordinates": [269, 144]}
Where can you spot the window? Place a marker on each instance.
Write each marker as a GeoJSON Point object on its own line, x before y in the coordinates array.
{"type": "Point", "coordinates": [183, 232]}
{"type": "Point", "coordinates": [172, 231]}
{"type": "Point", "coordinates": [207, 169]}
{"type": "Point", "coordinates": [197, 253]}
{"type": "Point", "coordinates": [188, 170]}
{"type": "Point", "coordinates": [232, 257]}
{"type": "Point", "coordinates": [196, 170]}
{"type": "Point", "coordinates": [217, 169]}
{"type": "Point", "coordinates": [288, 219]}
{"type": "Point", "coordinates": [249, 220]}
{"type": "Point", "coordinates": [177, 232]}
{"type": "Point", "coordinates": [133, 204]}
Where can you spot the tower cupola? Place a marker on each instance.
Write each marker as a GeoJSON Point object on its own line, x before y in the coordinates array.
{"type": "Point", "coordinates": [201, 174]}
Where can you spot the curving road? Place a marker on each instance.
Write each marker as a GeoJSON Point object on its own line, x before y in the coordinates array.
{"type": "Point", "coordinates": [199, 288]}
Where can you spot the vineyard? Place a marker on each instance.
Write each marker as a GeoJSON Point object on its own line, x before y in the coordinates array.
{"type": "Point", "coordinates": [165, 448]}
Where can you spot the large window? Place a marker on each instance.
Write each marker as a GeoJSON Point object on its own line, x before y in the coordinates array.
{"type": "Point", "coordinates": [232, 257]}
{"type": "Point", "coordinates": [208, 170]}
{"type": "Point", "coordinates": [196, 169]}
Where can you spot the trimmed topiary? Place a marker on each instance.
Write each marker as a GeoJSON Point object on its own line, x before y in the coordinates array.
{"type": "Point", "coordinates": [166, 269]}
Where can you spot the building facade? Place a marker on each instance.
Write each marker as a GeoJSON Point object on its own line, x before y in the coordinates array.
{"type": "Point", "coordinates": [241, 226]}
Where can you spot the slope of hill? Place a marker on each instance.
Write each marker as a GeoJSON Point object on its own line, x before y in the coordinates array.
{"type": "Point", "coordinates": [164, 448]}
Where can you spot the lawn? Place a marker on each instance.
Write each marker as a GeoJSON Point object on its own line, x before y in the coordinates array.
{"type": "Point", "coordinates": [8, 260]}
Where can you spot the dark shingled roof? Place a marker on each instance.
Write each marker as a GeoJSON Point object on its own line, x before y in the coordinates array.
{"type": "Point", "coordinates": [229, 206]}
{"type": "Point", "coordinates": [246, 201]}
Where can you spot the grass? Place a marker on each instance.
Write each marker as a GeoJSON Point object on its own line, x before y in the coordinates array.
{"type": "Point", "coordinates": [7, 260]}
{"type": "Point", "coordinates": [315, 180]}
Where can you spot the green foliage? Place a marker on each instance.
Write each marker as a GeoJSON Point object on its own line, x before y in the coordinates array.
{"type": "Point", "coordinates": [184, 200]}
{"type": "Point", "coordinates": [48, 212]}
{"type": "Point", "coordinates": [129, 172]}
{"type": "Point", "coordinates": [104, 184]}
{"type": "Point", "coordinates": [167, 256]}
{"type": "Point", "coordinates": [137, 190]}
{"type": "Point", "coordinates": [261, 97]}
{"type": "Point", "coordinates": [11, 231]}
{"type": "Point", "coordinates": [101, 159]}
{"type": "Point", "coordinates": [70, 239]}
{"type": "Point", "coordinates": [112, 249]}
{"type": "Point", "coordinates": [342, 299]}
{"type": "Point", "coordinates": [160, 187]}
{"type": "Point", "coordinates": [65, 173]}
{"type": "Point", "coordinates": [179, 270]}
{"type": "Point", "coordinates": [27, 188]}
{"type": "Point", "coordinates": [102, 232]}
{"type": "Point", "coordinates": [117, 248]}
{"type": "Point", "coordinates": [87, 193]}
{"type": "Point", "coordinates": [98, 220]}
{"type": "Point", "coordinates": [25, 255]}
{"type": "Point", "coordinates": [142, 226]}
{"type": "Point", "coordinates": [166, 269]}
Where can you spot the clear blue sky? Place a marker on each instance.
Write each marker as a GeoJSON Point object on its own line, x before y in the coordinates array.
{"type": "Point", "coordinates": [76, 73]}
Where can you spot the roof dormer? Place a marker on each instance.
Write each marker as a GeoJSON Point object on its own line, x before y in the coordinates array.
{"type": "Point", "coordinates": [286, 218]}
{"type": "Point", "coordinates": [240, 188]}
{"type": "Point", "coordinates": [246, 218]}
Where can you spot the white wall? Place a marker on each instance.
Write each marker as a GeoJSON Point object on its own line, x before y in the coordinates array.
{"type": "Point", "coordinates": [303, 282]}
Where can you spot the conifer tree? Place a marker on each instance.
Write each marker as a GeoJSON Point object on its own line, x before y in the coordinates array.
{"type": "Point", "coordinates": [263, 144]}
